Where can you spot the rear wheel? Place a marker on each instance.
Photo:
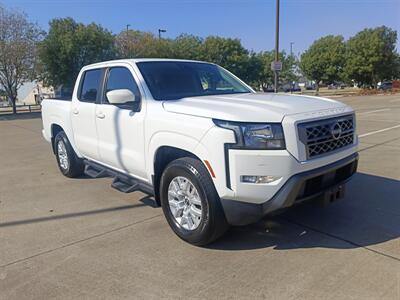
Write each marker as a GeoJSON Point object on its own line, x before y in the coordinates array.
{"type": "Point", "coordinates": [191, 203]}
{"type": "Point", "coordinates": [68, 162]}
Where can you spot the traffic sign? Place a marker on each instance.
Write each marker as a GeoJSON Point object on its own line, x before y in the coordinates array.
{"type": "Point", "coordinates": [276, 66]}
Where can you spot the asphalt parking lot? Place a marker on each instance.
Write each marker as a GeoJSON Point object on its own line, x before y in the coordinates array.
{"type": "Point", "coordinates": [70, 238]}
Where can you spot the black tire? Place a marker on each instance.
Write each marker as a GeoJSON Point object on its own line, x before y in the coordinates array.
{"type": "Point", "coordinates": [213, 223]}
{"type": "Point", "coordinates": [75, 165]}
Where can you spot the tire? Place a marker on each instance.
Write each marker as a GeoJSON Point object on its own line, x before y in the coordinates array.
{"type": "Point", "coordinates": [68, 162]}
{"type": "Point", "coordinates": [212, 223]}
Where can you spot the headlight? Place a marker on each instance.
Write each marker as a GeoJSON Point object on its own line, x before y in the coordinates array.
{"type": "Point", "coordinates": [255, 135]}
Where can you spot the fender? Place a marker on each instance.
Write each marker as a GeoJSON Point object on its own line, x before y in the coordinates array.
{"type": "Point", "coordinates": [197, 148]}
{"type": "Point", "coordinates": [212, 148]}
{"type": "Point", "coordinates": [56, 120]}
{"type": "Point", "coordinates": [168, 138]}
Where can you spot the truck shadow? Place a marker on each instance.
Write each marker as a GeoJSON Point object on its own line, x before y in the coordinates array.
{"type": "Point", "coordinates": [369, 215]}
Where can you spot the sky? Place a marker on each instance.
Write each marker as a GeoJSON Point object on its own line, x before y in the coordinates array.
{"type": "Point", "coordinates": [252, 21]}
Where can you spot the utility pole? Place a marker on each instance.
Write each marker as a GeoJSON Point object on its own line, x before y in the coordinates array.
{"type": "Point", "coordinates": [276, 47]}
{"type": "Point", "coordinates": [291, 48]}
{"type": "Point", "coordinates": [159, 32]}
{"type": "Point", "coordinates": [126, 43]}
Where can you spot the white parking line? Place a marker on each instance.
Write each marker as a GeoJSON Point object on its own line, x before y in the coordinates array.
{"type": "Point", "coordinates": [373, 111]}
{"type": "Point", "coordinates": [378, 131]}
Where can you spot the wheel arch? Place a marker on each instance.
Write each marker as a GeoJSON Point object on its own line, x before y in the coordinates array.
{"type": "Point", "coordinates": [162, 157]}
{"type": "Point", "coordinates": [55, 128]}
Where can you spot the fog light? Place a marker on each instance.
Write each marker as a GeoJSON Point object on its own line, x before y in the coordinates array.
{"type": "Point", "coordinates": [259, 179]}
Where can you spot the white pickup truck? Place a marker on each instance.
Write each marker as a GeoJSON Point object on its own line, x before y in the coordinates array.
{"type": "Point", "coordinates": [212, 151]}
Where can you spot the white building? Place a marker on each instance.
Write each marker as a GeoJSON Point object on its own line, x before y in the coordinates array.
{"type": "Point", "coordinates": [33, 93]}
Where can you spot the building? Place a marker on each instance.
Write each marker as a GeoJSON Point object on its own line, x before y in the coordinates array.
{"type": "Point", "coordinates": [33, 93]}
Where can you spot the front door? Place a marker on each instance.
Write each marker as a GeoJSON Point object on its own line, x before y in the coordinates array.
{"type": "Point", "coordinates": [120, 128]}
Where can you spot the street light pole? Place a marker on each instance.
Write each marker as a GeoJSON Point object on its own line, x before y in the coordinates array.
{"type": "Point", "coordinates": [276, 45]}
{"type": "Point", "coordinates": [291, 48]}
{"type": "Point", "coordinates": [159, 32]}
{"type": "Point", "coordinates": [126, 43]}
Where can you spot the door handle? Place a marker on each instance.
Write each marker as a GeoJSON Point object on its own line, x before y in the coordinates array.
{"type": "Point", "coordinates": [100, 115]}
{"type": "Point", "coordinates": [75, 111]}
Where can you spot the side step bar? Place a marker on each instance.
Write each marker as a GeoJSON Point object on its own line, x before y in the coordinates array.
{"type": "Point", "coordinates": [122, 182]}
{"type": "Point", "coordinates": [94, 170]}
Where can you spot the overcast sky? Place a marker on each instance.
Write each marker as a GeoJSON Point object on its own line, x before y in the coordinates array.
{"type": "Point", "coordinates": [252, 21]}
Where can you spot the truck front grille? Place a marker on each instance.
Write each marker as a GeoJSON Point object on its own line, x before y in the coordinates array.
{"type": "Point", "coordinates": [324, 136]}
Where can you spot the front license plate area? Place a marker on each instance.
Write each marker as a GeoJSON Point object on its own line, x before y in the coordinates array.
{"type": "Point", "coordinates": [334, 194]}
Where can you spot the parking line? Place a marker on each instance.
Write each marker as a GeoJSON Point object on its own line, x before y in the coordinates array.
{"type": "Point", "coordinates": [378, 131]}
{"type": "Point", "coordinates": [394, 100]}
{"type": "Point", "coordinates": [373, 111]}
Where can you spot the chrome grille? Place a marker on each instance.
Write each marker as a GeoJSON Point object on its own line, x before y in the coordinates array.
{"type": "Point", "coordinates": [324, 136]}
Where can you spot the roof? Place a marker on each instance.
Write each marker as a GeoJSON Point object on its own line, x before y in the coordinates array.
{"type": "Point", "coordinates": [138, 60]}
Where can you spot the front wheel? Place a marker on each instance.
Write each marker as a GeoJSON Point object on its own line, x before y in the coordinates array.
{"type": "Point", "coordinates": [190, 202]}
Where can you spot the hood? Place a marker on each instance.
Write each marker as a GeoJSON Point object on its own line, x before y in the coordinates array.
{"type": "Point", "coordinates": [252, 107]}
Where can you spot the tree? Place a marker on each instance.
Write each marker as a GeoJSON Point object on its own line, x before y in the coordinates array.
{"type": "Point", "coordinates": [324, 60]}
{"type": "Point", "coordinates": [371, 56]}
{"type": "Point", "coordinates": [290, 70]}
{"type": "Point", "coordinates": [139, 44]}
{"type": "Point", "coordinates": [226, 52]}
{"type": "Point", "coordinates": [264, 76]}
{"type": "Point", "coordinates": [187, 47]}
{"type": "Point", "coordinates": [18, 41]}
{"type": "Point", "coordinates": [69, 46]}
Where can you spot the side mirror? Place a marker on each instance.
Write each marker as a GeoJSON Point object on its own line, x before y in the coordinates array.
{"type": "Point", "coordinates": [122, 96]}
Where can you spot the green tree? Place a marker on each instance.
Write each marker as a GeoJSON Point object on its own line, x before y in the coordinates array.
{"type": "Point", "coordinates": [264, 76]}
{"type": "Point", "coordinates": [187, 47]}
{"type": "Point", "coordinates": [371, 56]}
{"type": "Point", "coordinates": [139, 44]}
{"type": "Point", "coordinates": [228, 53]}
{"type": "Point", "coordinates": [289, 71]}
{"type": "Point", "coordinates": [69, 46]}
{"type": "Point", "coordinates": [396, 72]}
{"type": "Point", "coordinates": [254, 70]}
{"type": "Point", "coordinates": [18, 45]}
{"type": "Point", "coordinates": [324, 60]}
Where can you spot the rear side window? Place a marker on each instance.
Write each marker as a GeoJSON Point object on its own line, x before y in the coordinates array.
{"type": "Point", "coordinates": [121, 78]}
{"type": "Point", "coordinates": [90, 85]}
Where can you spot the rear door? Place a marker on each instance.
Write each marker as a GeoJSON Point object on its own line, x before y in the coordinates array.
{"type": "Point", "coordinates": [84, 113]}
{"type": "Point", "coordinates": [121, 127]}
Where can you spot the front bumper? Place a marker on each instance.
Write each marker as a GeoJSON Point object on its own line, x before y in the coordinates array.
{"type": "Point", "coordinates": [319, 182]}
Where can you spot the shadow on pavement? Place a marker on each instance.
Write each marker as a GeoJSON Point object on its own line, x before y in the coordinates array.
{"type": "Point", "coordinates": [20, 116]}
{"type": "Point", "coordinates": [71, 215]}
{"type": "Point", "coordinates": [369, 215]}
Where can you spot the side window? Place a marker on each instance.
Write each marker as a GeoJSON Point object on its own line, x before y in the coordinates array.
{"type": "Point", "coordinates": [90, 86]}
{"type": "Point", "coordinates": [121, 78]}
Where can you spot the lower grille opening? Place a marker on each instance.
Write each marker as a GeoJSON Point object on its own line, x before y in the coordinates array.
{"type": "Point", "coordinates": [320, 183]}
{"type": "Point", "coordinates": [312, 186]}
{"type": "Point", "coordinates": [343, 173]}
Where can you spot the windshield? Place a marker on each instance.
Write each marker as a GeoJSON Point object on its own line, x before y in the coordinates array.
{"type": "Point", "coordinates": [171, 80]}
